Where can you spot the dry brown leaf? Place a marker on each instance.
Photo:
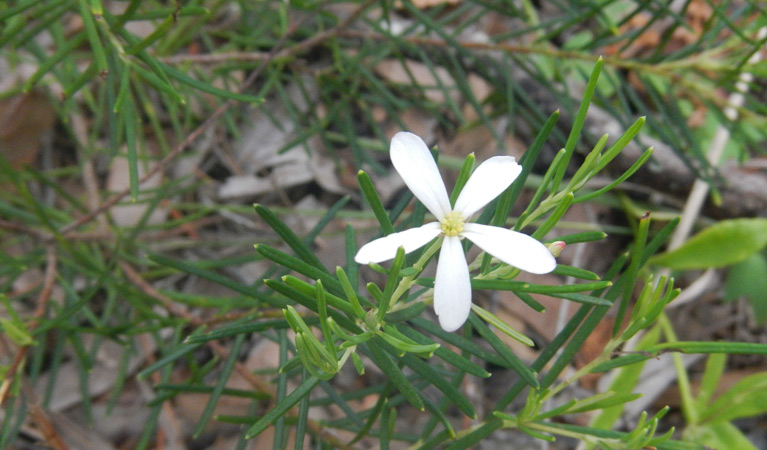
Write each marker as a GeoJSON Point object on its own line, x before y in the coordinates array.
{"type": "Point", "coordinates": [24, 121]}
{"type": "Point", "coordinates": [434, 83]}
{"type": "Point", "coordinates": [591, 349]}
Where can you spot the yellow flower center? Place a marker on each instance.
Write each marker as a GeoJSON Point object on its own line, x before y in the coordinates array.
{"type": "Point", "coordinates": [452, 224]}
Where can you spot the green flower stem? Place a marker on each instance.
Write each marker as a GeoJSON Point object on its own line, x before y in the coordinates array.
{"type": "Point", "coordinates": [683, 381]}
{"type": "Point", "coordinates": [408, 281]}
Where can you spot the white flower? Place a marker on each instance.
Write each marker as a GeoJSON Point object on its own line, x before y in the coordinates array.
{"type": "Point", "coordinates": [452, 286]}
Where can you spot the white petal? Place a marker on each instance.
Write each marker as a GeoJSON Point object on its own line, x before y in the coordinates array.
{"type": "Point", "coordinates": [486, 183]}
{"type": "Point", "coordinates": [386, 247]}
{"type": "Point", "coordinates": [452, 286]}
{"type": "Point", "coordinates": [513, 248]}
{"type": "Point", "coordinates": [417, 168]}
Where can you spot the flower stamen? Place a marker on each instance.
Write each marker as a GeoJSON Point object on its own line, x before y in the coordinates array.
{"type": "Point", "coordinates": [452, 223]}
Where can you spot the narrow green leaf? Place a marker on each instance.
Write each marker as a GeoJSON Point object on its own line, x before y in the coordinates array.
{"type": "Point", "coordinates": [325, 220]}
{"type": "Point", "coordinates": [502, 326]}
{"type": "Point", "coordinates": [124, 90]}
{"type": "Point", "coordinates": [89, 23]}
{"type": "Point", "coordinates": [280, 429]}
{"type": "Point", "coordinates": [439, 415]}
{"type": "Point", "coordinates": [323, 312]}
{"type": "Point", "coordinates": [96, 7]}
{"type": "Point", "coordinates": [583, 322]}
{"type": "Point", "coordinates": [340, 401]}
{"type": "Point", "coordinates": [391, 283]}
{"type": "Point", "coordinates": [585, 299]}
{"type": "Point", "coordinates": [476, 436]}
{"type": "Point", "coordinates": [435, 441]}
{"type": "Point", "coordinates": [370, 194]}
{"type": "Point", "coordinates": [351, 340]}
{"type": "Point", "coordinates": [158, 32]}
{"type": "Point", "coordinates": [640, 241]}
{"type": "Point", "coordinates": [394, 374]}
{"type": "Point", "coordinates": [575, 272]}
{"type": "Point", "coordinates": [520, 286]}
{"type": "Point", "coordinates": [375, 413]}
{"type": "Point", "coordinates": [46, 66]}
{"type": "Point", "coordinates": [731, 348]}
{"type": "Point", "coordinates": [375, 292]}
{"type": "Point", "coordinates": [350, 293]}
{"type": "Point", "coordinates": [530, 301]}
{"type": "Point", "coordinates": [250, 327]}
{"type": "Point", "coordinates": [129, 119]}
{"type": "Point", "coordinates": [428, 373]}
{"type": "Point", "coordinates": [525, 218]}
{"type": "Point", "coordinates": [307, 289]}
{"type": "Point", "coordinates": [161, 13]}
{"type": "Point", "coordinates": [603, 400]}
{"type": "Point", "coordinates": [352, 268]}
{"type": "Point", "coordinates": [537, 434]}
{"type": "Point", "coordinates": [446, 354]}
{"type": "Point", "coordinates": [586, 170]}
{"type": "Point", "coordinates": [150, 423]}
{"type": "Point", "coordinates": [463, 177]}
{"type": "Point", "coordinates": [558, 411]}
{"type": "Point", "coordinates": [299, 266]}
{"type": "Point", "coordinates": [586, 236]}
{"type": "Point", "coordinates": [192, 269]}
{"type": "Point", "coordinates": [577, 329]}
{"type": "Point", "coordinates": [401, 342]}
{"type": "Point", "coordinates": [384, 431]}
{"type": "Point", "coordinates": [509, 196]}
{"type": "Point", "coordinates": [527, 161]}
{"type": "Point", "coordinates": [290, 238]}
{"type": "Point", "coordinates": [282, 408]}
{"type": "Point", "coordinates": [413, 309]}
{"type": "Point", "coordinates": [620, 144]}
{"type": "Point", "coordinates": [159, 83]}
{"type": "Point", "coordinates": [621, 361]}
{"type": "Point", "coordinates": [514, 362]}
{"type": "Point", "coordinates": [623, 177]}
{"type": "Point", "coordinates": [178, 352]}
{"type": "Point", "coordinates": [310, 302]}
{"type": "Point", "coordinates": [210, 89]}
{"type": "Point", "coordinates": [168, 391]}
{"type": "Point", "coordinates": [14, 10]}
{"type": "Point", "coordinates": [359, 366]}
{"type": "Point", "coordinates": [223, 378]}
{"type": "Point", "coordinates": [458, 341]}
{"type": "Point", "coordinates": [17, 331]}
{"type": "Point", "coordinates": [579, 121]}
{"type": "Point", "coordinates": [84, 78]}
{"type": "Point", "coordinates": [554, 218]}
